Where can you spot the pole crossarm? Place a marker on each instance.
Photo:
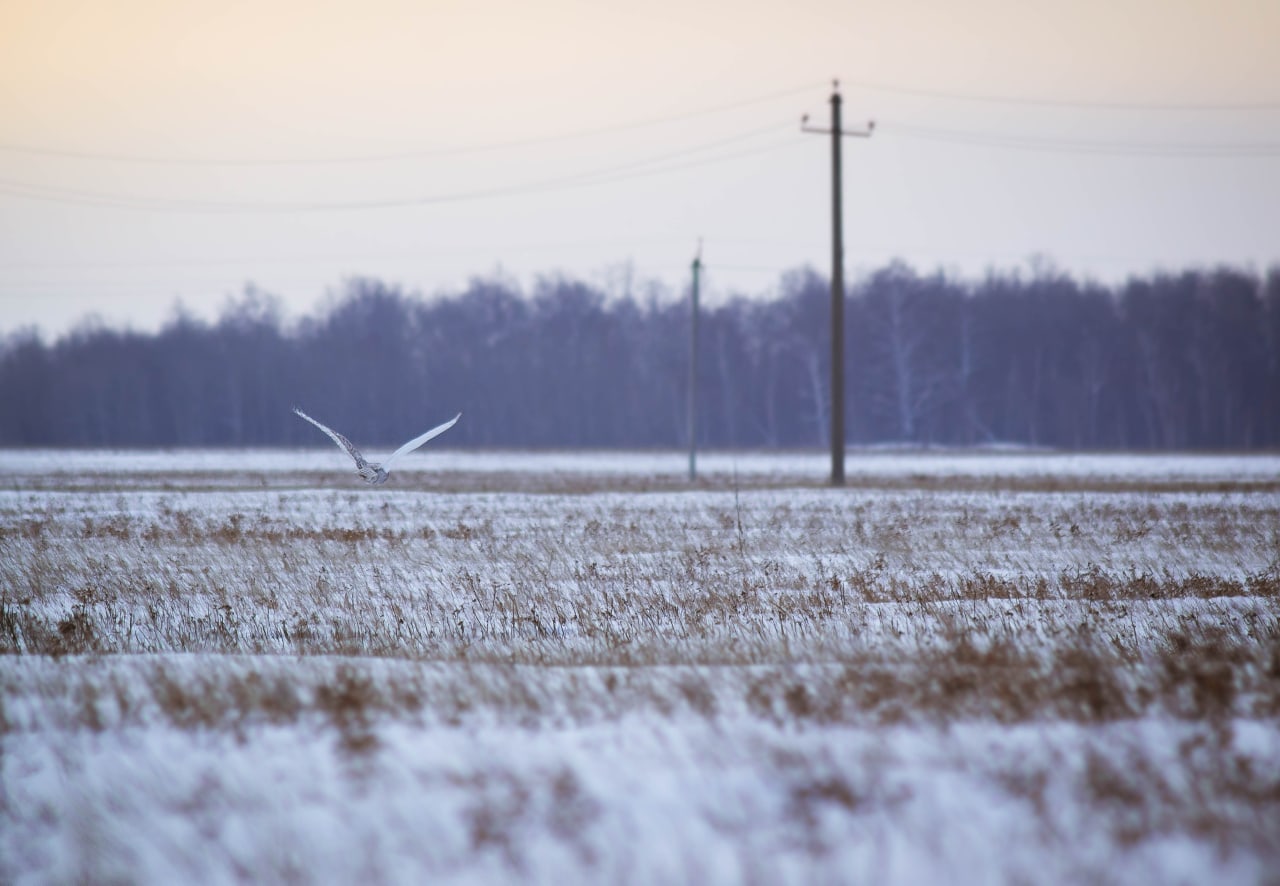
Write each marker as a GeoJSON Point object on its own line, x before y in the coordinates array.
{"type": "Point", "coordinates": [851, 133]}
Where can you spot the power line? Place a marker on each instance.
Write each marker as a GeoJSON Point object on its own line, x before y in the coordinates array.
{"type": "Point", "coordinates": [656, 165]}
{"type": "Point", "coordinates": [400, 256]}
{"type": "Point", "coordinates": [483, 147]}
{"type": "Point", "coordinates": [980, 138]}
{"type": "Point", "coordinates": [1067, 103]}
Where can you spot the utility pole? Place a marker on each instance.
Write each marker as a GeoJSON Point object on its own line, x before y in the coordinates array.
{"type": "Point", "coordinates": [837, 280]}
{"type": "Point", "coordinates": [693, 367]}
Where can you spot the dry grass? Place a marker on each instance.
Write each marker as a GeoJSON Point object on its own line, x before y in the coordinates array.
{"type": "Point", "coordinates": [946, 606]}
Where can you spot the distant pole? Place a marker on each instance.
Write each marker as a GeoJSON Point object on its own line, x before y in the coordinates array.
{"type": "Point", "coordinates": [693, 367]}
{"type": "Point", "coordinates": [837, 282]}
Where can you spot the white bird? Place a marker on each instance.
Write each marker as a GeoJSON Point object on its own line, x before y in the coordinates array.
{"type": "Point", "coordinates": [371, 472]}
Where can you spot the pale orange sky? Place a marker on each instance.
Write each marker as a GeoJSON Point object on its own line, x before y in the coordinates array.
{"type": "Point", "coordinates": [231, 109]}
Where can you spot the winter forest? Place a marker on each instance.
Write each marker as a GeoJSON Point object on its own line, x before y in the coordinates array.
{"type": "Point", "coordinates": [1172, 361]}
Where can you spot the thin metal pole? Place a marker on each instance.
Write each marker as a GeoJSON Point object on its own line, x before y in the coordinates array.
{"type": "Point", "coordinates": [693, 369]}
{"type": "Point", "coordinates": [837, 282]}
{"type": "Point", "coordinates": [837, 302]}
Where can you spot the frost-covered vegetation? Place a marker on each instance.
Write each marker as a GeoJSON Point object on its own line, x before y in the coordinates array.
{"type": "Point", "coordinates": [582, 667]}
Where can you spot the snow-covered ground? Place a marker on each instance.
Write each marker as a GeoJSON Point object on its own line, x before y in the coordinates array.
{"type": "Point", "coordinates": [814, 464]}
{"type": "Point", "coordinates": [1070, 673]}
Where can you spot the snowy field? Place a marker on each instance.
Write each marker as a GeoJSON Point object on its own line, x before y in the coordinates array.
{"type": "Point", "coordinates": [579, 667]}
{"type": "Point", "coordinates": [233, 466]}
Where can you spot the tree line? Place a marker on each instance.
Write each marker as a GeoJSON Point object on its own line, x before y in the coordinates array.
{"type": "Point", "coordinates": [1186, 360]}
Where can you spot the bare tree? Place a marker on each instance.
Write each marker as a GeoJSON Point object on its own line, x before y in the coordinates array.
{"type": "Point", "coordinates": [1168, 361]}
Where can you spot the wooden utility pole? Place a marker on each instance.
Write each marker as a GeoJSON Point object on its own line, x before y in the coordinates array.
{"type": "Point", "coordinates": [693, 367]}
{"type": "Point", "coordinates": [837, 280]}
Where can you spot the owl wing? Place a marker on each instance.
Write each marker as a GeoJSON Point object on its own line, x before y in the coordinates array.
{"type": "Point", "coordinates": [336, 438]}
{"type": "Point", "coordinates": [418, 441]}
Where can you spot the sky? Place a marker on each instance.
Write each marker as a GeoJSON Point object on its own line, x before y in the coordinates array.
{"type": "Point", "coordinates": [160, 155]}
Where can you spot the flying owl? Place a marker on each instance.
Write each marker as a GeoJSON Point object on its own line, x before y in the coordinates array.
{"type": "Point", "coordinates": [371, 472]}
